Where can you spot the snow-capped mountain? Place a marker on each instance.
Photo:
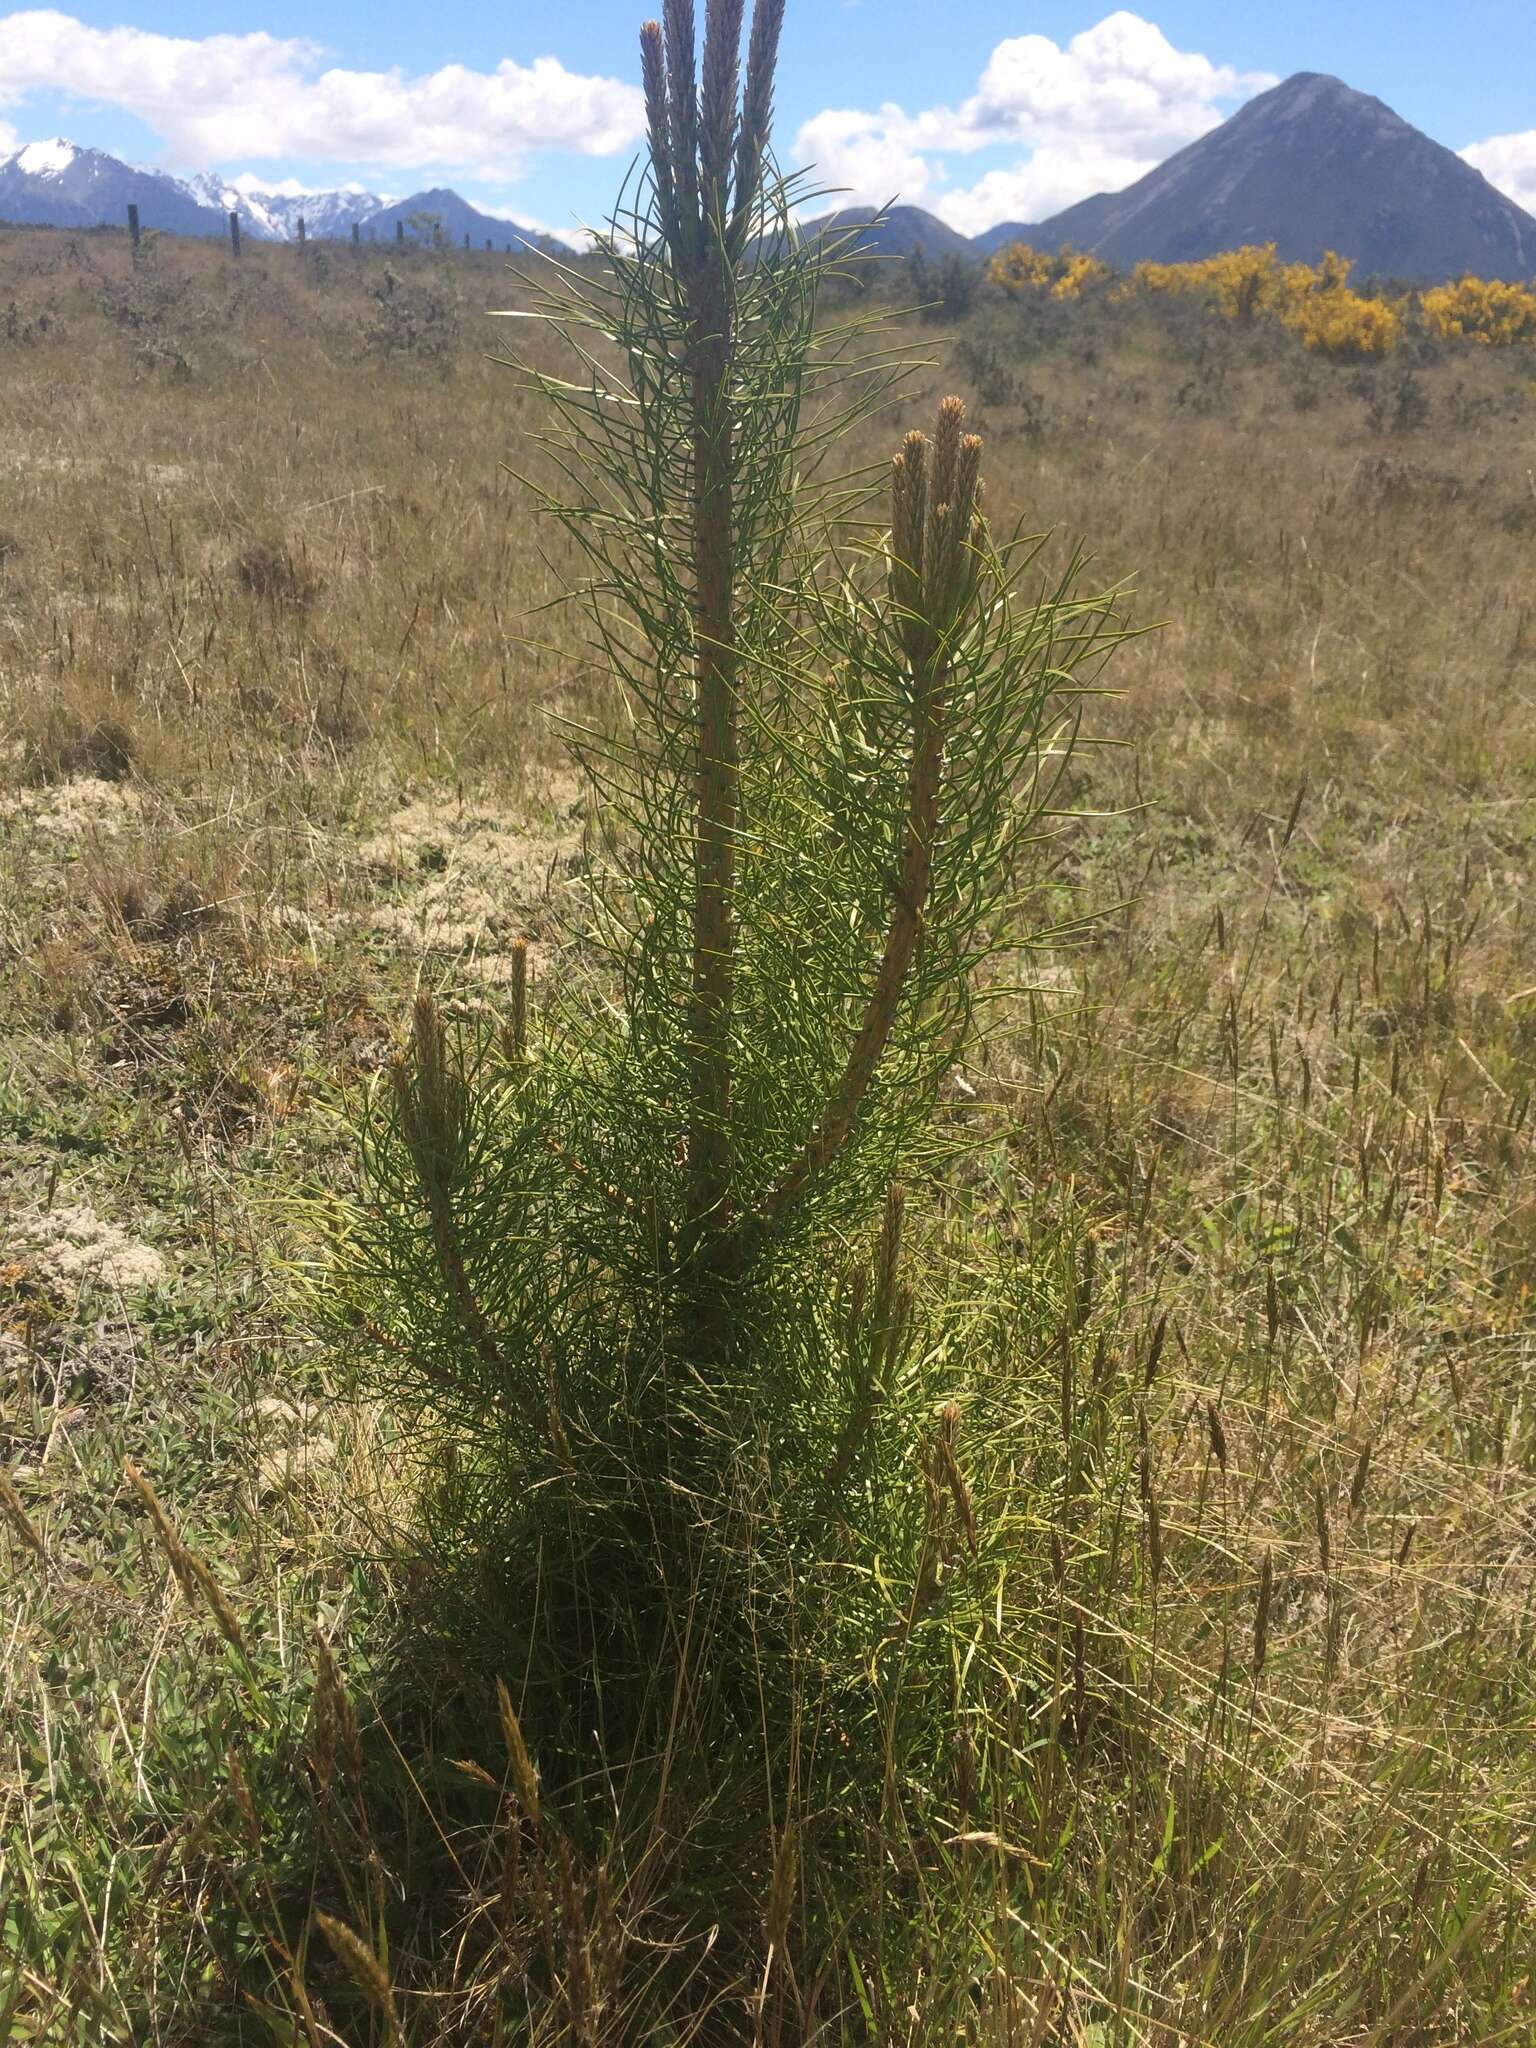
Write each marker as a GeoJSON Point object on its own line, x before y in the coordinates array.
{"type": "Point", "coordinates": [46, 159]}
{"type": "Point", "coordinates": [271, 213]}
{"type": "Point", "coordinates": [59, 184]}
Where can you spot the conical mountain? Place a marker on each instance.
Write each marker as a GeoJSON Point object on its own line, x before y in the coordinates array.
{"type": "Point", "coordinates": [1309, 165]}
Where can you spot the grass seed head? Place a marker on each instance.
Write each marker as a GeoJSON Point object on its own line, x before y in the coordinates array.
{"type": "Point", "coordinates": [193, 1576]}
{"type": "Point", "coordinates": [336, 1722]}
{"type": "Point", "coordinates": [245, 1805]}
{"type": "Point", "coordinates": [518, 1020]}
{"type": "Point", "coordinates": [781, 1894]}
{"type": "Point", "coordinates": [1357, 1483]}
{"type": "Point", "coordinates": [524, 1776]}
{"type": "Point", "coordinates": [15, 1513]}
{"type": "Point", "coordinates": [1218, 1434]}
{"type": "Point", "coordinates": [1261, 1613]}
{"type": "Point", "coordinates": [364, 1968]}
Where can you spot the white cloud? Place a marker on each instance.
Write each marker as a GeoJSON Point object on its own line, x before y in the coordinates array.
{"type": "Point", "coordinates": [1094, 114]}
{"type": "Point", "coordinates": [10, 141]}
{"type": "Point", "coordinates": [261, 96]}
{"type": "Point", "coordinates": [1052, 178]}
{"type": "Point", "coordinates": [871, 156]}
{"type": "Point", "coordinates": [256, 187]}
{"type": "Point", "coordinates": [1509, 162]}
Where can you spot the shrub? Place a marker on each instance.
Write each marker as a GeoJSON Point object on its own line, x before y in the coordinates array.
{"type": "Point", "coordinates": [154, 311]}
{"type": "Point", "coordinates": [70, 745]}
{"type": "Point", "coordinates": [269, 571]}
{"type": "Point", "coordinates": [1213, 357]}
{"type": "Point", "coordinates": [1396, 401]}
{"type": "Point", "coordinates": [1485, 311]}
{"type": "Point", "coordinates": [1304, 388]}
{"type": "Point", "coordinates": [999, 387]}
{"type": "Point", "coordinates": [1018, 268]}
{"type": "Point", "coordinates": [655, 1266]}
{"type": "Point", "coordinates": [27, 329]}
{"type": "Point", "coordinates": [1342, 325]}
{"type": "Point", "coordinates": [419, 320]}
{"type": "Point", "coordinates": [1244, 285]}
{"type": "Point", "coordinates": [1240, 283]}
{"type": "Point", "coordinates": [946, 291]}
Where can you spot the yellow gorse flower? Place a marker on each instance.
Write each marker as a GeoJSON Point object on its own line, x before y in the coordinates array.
{"type": "Point", "coordinates": [1065, 275]}
{"type": "Point", "coordinates": [1314, 302]}
{"type": "Point", "coordinates": [1481, 310]}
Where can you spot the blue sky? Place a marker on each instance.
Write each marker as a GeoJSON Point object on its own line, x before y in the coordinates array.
{"type": "Point", "coordinates": [982, 110]}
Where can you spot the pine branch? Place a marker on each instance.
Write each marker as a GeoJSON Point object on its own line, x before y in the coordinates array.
{"type": "Point", "coordinates": [653, 71]}
{"type": "Point", "coordinates": [934, 525]}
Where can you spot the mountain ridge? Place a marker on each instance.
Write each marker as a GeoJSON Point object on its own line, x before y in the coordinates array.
{"type": "Point", "coordinates": [1309, 165]}
{"type": "Point", "coordinates": [61, 184]}
{"type": "Point", "coordinates": [58, 183]}
{"type": "Point", "coordinates": [272, 215]}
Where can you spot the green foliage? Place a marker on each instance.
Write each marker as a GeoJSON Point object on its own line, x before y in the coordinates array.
{"type": "Point", "coordinates": [530, 1244]}
{"type": "Point", "coordinates": [945, 290]}
{"type": "Point", "coordinates": [609, 1251]}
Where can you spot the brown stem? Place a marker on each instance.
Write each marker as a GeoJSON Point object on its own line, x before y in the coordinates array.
{"type": "Point", "coordinates": [935, 487]}
{"type": "Point", "coordinates": [696, 137]}
{"type": "Point", "coordinates": [717, 763]}
{"type": "Point", "coordinates": [450, 1261]}
{"type": "Point", "coordinates": [910, 899]}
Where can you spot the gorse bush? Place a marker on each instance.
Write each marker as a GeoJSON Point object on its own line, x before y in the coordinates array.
{"type": "Point", "coordinates": [1488, 312]}
{"type": "Point", "coordinates": [1251, 285]}
{"type": "Point", "coordinates": [1065, 274]}
{"type": "Point", "coordinates": [1342, 325]}
{"type": "Point", "coordinates": [1316, 305]}
{"type": "Point", "coordinates": [633, 1254]}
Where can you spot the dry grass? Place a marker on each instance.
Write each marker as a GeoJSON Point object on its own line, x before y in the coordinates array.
{"type": "Point", "coordinates": [274, 709]}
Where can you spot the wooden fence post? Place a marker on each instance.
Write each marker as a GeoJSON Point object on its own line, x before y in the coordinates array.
{"type": "Point", "coordinates": [234, 236]}
{"type": "Point", "coordinates": [399, 230]}
{"type": "Point", "coordinates": [301, 230]}
{"type": "Point", "coordinates": [357, 234]}
{"type": "Point", "coordinates": [133, 226]}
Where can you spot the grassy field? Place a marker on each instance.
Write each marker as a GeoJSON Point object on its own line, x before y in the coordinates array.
{"type": "Point", "coordinates": [275, 751]}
